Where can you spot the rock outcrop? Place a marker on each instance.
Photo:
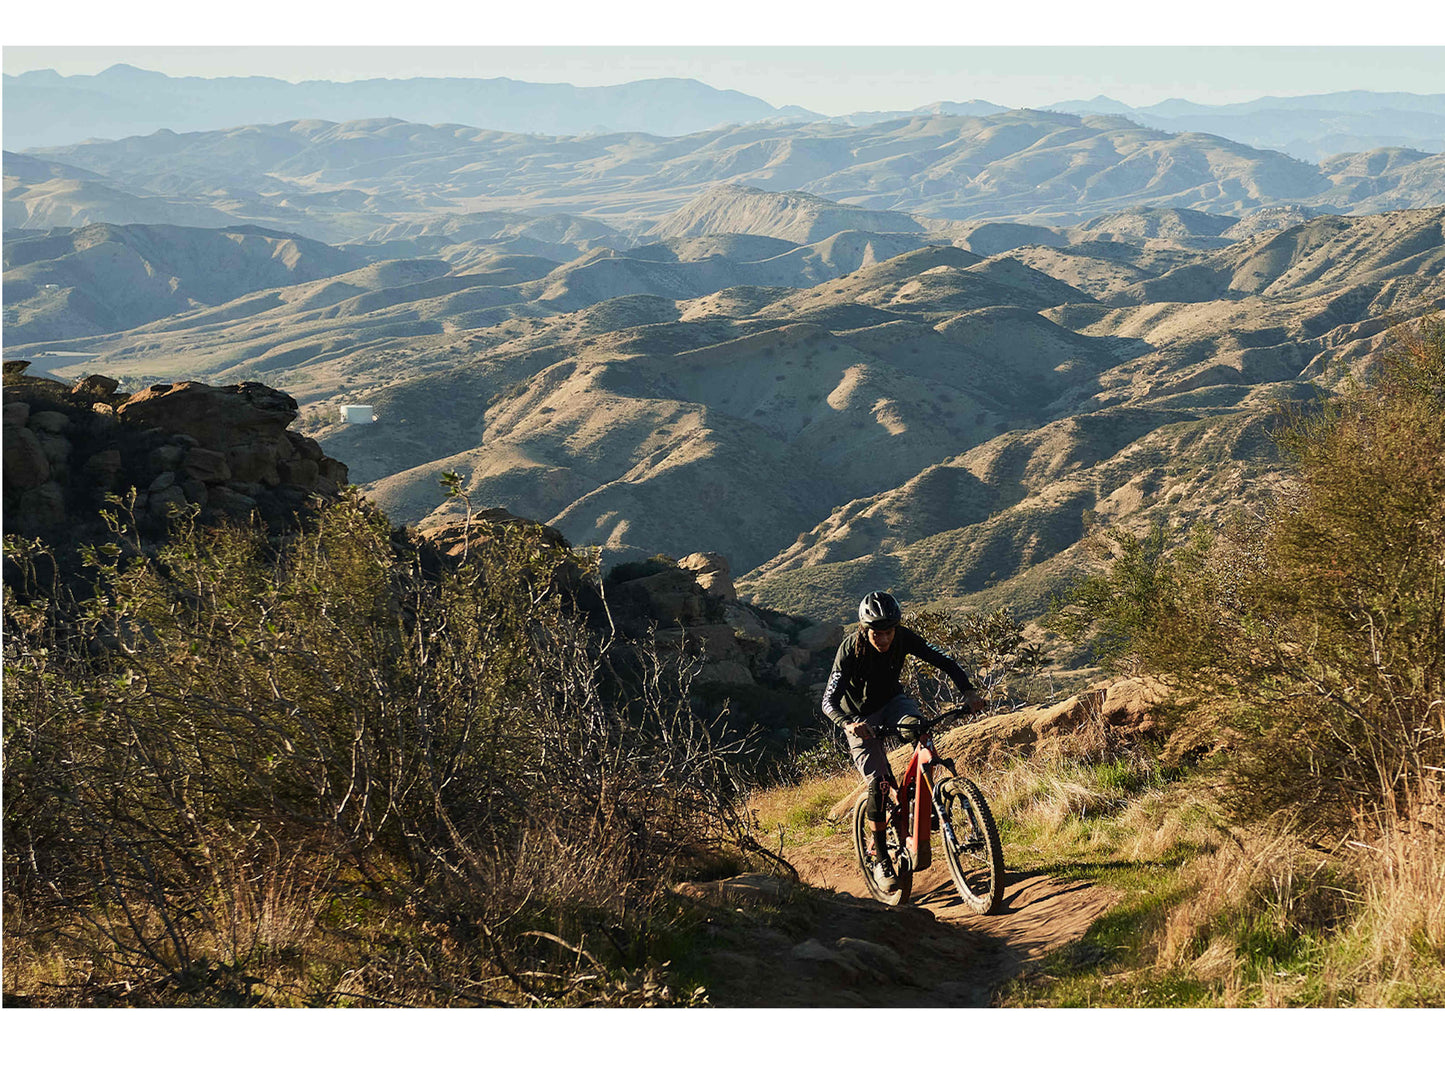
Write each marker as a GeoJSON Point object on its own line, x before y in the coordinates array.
{"type": "Point", "coordinates": [696, 610]}
{"type": "Point", "coordinates": [224, 453]}
{"type": "Point", "coordinates": [765, 668]}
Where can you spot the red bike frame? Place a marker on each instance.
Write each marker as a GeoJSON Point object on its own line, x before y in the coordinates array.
{"type": "Point", "coordinates": [910, 796]}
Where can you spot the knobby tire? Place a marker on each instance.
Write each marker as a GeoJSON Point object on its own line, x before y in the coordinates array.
{"type": "Point", "coordinates": [902, 869]}
{"type": "Point", "coordinates": [977, 862]}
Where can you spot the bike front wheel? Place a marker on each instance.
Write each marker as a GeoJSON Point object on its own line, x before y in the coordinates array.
{"type": "Point", "coordinates": [971, 844]}
{"type": "Point", "coordinates": [902, 868]}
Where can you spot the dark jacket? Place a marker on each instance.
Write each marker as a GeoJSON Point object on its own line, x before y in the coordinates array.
{"type": "Point", "coordinates": [861, 683]}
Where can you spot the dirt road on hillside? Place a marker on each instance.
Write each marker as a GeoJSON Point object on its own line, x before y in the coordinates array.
{"type": "Point", "coordinates": [842, 948]}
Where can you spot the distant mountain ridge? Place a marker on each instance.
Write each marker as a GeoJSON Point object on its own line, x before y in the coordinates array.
{"type": "Point", "coordinates": [1308, 126]}
{"type": "Point", "coordinates": [1312, 127]}
{"type": "Point", "coordinates": [341, 182]}
{"type": "Point", "coordinates": [43, 108]}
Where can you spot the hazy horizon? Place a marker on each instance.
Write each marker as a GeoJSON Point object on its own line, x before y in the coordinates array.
{"type": "Point", "coordinates": [826, 79]}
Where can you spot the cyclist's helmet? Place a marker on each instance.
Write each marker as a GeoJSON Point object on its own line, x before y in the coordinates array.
{"type": "Point", "coordinates": [879, 610]}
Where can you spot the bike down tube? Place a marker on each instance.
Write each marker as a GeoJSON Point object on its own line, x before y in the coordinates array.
{"type": "Point", "coordinates": [921, 842]}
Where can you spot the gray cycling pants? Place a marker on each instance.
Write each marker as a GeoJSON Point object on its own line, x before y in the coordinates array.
{"type": "Point", "coordinates": [868, 754]}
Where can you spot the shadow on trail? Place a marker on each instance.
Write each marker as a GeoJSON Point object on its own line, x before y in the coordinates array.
{"type": "Point", "coordinates": [945, 895]}
{"type": "Point", "coordinates": [946, 953]}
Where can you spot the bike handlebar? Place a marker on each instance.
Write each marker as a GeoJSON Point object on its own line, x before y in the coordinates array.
{"type": "Point", "coordinates": [951, 713]}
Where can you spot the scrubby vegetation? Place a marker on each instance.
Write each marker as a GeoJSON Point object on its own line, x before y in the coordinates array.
{"type": "Point", "coordinates": [314, 772]}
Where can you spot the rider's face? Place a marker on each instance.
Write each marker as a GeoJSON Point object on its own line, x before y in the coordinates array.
{"type": "Point", "coordinates": [881, 639]}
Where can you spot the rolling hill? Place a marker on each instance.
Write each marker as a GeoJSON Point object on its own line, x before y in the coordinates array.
{"type": "Point", "coordinates": [864, 409]}
{"type": "Point", "coordinates": [341, 182]}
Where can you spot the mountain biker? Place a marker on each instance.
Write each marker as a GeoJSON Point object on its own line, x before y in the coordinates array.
{"type": "Point", "coordinates": [865, 697]}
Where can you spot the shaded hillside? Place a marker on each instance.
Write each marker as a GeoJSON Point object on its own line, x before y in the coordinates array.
{"type": "Point", "coordinates": [466, 240]}
{"type": "Point", "coordinates": [790, 216]}
{"type": "Point", "coordinates": [272, 333]}
{"type": "Point", "coordinates": [41, 194]}
{"type": "Point", "coordinates": [73, 283]}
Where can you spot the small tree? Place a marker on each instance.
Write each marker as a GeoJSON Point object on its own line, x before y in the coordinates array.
{"type": "Point", "coordinates": [993, 645]}
{"type": "Point", "coordinates": [1121, 614]}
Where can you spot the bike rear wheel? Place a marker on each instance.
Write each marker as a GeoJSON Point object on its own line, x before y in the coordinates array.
{"type": "Point", "coordinates": [902, 868]}
{"type": "Point", "coordinates": [971, 844]}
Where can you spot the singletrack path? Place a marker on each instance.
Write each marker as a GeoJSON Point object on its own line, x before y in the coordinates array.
{"type": "Point", "coordinates": [848, 949]}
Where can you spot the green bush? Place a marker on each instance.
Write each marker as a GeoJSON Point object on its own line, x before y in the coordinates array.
{"type": "Point", "coordinates": [1316, 633]}
{"type": "Point", "coordinates": [1332, 648]}
{"type": "Point", "coordinates": [1121, 613]}
{"type": "Point", "coordinates": [991, 645]}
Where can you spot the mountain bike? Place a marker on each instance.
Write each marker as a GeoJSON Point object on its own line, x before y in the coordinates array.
{"type": "Point", "coordinates": [931, 796]}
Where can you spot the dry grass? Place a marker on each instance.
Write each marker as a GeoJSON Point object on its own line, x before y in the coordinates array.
{"type": "Point", "coordinates": [1271, 920]}
{"type": "Point", "coordinates": [798, 811]}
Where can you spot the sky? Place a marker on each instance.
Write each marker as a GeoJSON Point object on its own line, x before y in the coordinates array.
{"type": "Point", "coordinates": [1131, 50]}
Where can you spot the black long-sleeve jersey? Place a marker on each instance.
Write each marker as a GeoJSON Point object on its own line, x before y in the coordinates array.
{"type": "Point", "coordinates": [862, 682]}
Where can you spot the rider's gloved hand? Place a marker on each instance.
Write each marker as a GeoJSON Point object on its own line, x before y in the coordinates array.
{"type": "Point", "coordinates": [858, 729]}
{"type": "Point", "coordinates": [974, 701]}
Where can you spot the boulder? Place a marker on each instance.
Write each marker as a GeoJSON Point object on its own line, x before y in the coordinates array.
{"type": "Point", "coordinates": [751, 633]}
{"type": "Point", "coordinates": [229, 501]}
{"type": "Point", "coordinates": [825, 637]}
{"type": "Point", "coordinates": [195, 491]}
{"type": "Point", "coordinates": [246, 422]}
{"type": "Point", "coordinates": [253, 461]}
{"type": "Point", "coordinates": [789, 671]}
{"type": "Point", "coordinates": [299, 472]}
{"type": "Point", "coordinates": [670, 597]}
{"type": "Point", "coordinates": [726, 672]}
{"type": "Point", "coordinates": [166, 457]}
{"type": "Point", "coordinates": [25, 462]}
{"type": "Point", "coordinates": [95, 386]}
{"type": "Point", "coordinates": [451, 538]}
{"type": "Point", "coordinates": [713, 573]}
{"type": "Point", "coordinates": [168, 443]}
{"type": "Point", "coordinates": [49, 421]}
{"type": "Point", "coordinates": [706, 562]}
{"type": "Point", "coordinates": [305, 446]}
{"type": "Point", "coordinates": [744, 888]}
{"type": "Point", "coordinates": [871, 956]}
{"type": "Point", "coordinates": [56, 449]}
{"type": "Point", "coordinates": [334, 471]}
{"type": "Point", "coordinates": [206, 465]}
{"type": "Point", "coordinates": [170, 498]}
{"type": "Point", "coordinates": [835, 965]}
{"type": "Point", "coordinates": [103, 468]}
{"type": "Point", "coordinates": [42, 507]}
{"type": "Point", "coordinates": [215, 417]}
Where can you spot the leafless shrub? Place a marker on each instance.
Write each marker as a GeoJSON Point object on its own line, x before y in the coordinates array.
{"type": "Point", "coordinates": [283, 758]}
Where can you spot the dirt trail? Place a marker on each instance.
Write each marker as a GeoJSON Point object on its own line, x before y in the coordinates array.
{"type": "Point", "coordinates": [844, 948]}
